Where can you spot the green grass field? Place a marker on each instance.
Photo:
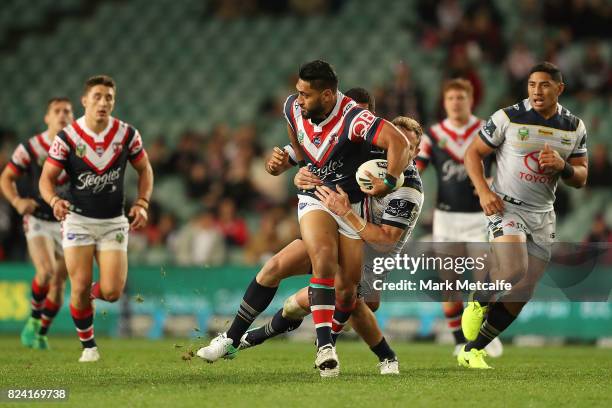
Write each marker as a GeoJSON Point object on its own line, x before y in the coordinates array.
{"type": "Point", "coordinates": [154, 373]}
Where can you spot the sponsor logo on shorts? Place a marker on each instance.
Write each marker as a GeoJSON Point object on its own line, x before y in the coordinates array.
{"type": "Point", "coordinates": [301, 206]}
{"type": "Point", "coordinates": [119, 237]}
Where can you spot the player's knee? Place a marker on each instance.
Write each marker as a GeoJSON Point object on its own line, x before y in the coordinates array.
{"type": "Point", "coordinates": [514, 272]}
{"type": "Point", "coordinates": [272, 272]}
{"type": "Point", "coordinates": [346, 296]}
{"type": "Point", "coordinates": [292, 310]}
{"type": "Point", "coordinates": [324, 262]}
{"type": "Point", "coordinates": [111, 295]}
{"type": "Point", "coordinates": [373, 305]}
{"type": "Point", "coordinates": [44, 272]}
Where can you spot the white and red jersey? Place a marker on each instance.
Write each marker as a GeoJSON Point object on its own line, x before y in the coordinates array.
{"type": "Point", "coordinates": [335, 147]}
{"type": "Point", "coordinates": [444, 146]}
{"type": "Point", "coordinates": [28, 159]}
{"type": "Point", "coordinates": [96, 164]}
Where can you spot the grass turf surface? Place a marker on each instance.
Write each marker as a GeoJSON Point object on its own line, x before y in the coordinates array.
{"type": "Point", "coordinates": [153, 373]}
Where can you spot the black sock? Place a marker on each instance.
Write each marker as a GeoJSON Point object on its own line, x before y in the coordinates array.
{"type": "Point", "coordinates": [278, 325]}
{"type": "Point", "coordinates": [383, 351]}
{"type": "Point", "coordinates": [498, 320]}
{"type": "Point", "coordinates": [256, 299]}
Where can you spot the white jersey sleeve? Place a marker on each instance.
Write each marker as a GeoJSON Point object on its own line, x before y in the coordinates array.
{"type": "Point", "coordinates": [580, 148]}
{"type": "Point", "coordinates": [493, 132]}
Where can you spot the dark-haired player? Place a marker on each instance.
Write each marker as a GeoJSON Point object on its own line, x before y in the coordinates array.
{"type": "Point", "coordinates": [41, 229]}
{"type": "Point", "coordinates": [327, 130]}
{"type": "Point", "coordinates": [388, 222]}
{"type": "Point", "coordinates": [94, 152]}
{"type": "Point", "coordinates": [260, 294]}
{"type": "Point", "coordinates": [536, 142]}
{"type": "Point", "coordinates": [458, 220]}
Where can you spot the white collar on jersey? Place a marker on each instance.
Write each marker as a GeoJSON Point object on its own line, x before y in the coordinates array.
{"type": "Point", "coordinates": [319, 128]}
{"type": "Point", "coordinates": [528, 106]}
{"type": "Point", "coordinates": [460, 130]}
{"type": "Point", "coordinates": [101, 135]}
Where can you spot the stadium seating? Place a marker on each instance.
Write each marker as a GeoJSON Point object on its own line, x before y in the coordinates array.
{"type": "Point", "coordinates": [178, 68]}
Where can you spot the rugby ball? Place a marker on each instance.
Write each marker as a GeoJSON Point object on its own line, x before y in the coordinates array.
{"type": "Point", "coordinates": [376, 167]}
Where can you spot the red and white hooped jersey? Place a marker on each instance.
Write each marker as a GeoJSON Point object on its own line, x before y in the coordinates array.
{"type": "Point", "coordinates": [444, 146]}
{"type": "Point", "coordinates": [27, 160]}
{"type": "Point", "coordinates": [335, 147]}
{"type": "Point", "coordinates": [96, 164]}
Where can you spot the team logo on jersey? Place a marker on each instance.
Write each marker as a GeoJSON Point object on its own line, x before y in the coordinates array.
{"type": "Point", "coordinates": [566, 140]}
{"type": "Point", "coordinates": [117, 147]}
{"type": "Point", "coordinates": [80, 150]}
{"type": "Point", "coordinates": [317, 141]}
{"type": "Point", "coordinates": [99, 150]}
{"type": "Point", "coordinates": [301, 134]}
{"type": "Point", "coordinates": [523, 133]}
{"type": "Point", "coordinates": [442, 143]}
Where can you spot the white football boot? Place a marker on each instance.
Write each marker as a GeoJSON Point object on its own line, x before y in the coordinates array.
{"type": "Point", "coordinates": [89, 355]}
{"type": "Point", "coordinates": [327, 361]}
{"type": "Point", "coordinates": [389, 367]}
{"type": "Point", "coordinates": [219, 347]}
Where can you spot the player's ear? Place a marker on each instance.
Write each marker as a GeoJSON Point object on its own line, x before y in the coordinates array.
{"type": "Point", "coordinates": [83, 99]}
{"type": "Point", "coordinates": [561, 88]}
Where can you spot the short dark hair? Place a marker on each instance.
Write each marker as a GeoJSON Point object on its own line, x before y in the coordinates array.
{"type": "Point", "coordinates": [320, 74]}
{"type": "Point", "coordinates": [54, 99]}
{"type": "Point", "coordinates": [549, 68]}
{"type": "Point", "coordinates": [99, 80]}
{"type": "Point", "coordinates": [361, 95]}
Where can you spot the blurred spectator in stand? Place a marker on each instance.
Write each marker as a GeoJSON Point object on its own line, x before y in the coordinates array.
{"type": "Point", "coordinates": [265, 242]}
{"type": "Point", "coordinates": [237, 181]}
{"type": "Point", "coordinates": [200, 242]}
{"type": "Point", "coordinates": [233, 227]}
{"type": "Point", "coordinates": [197, 184]}
{"type": "Point", "coordinates": [593, 72]}
{"type": "Point", "coordinates": [600, 168]}
{"type": "Point", "coordinates": [185, 154]}
{"type": "Point", "coordinates": [600, 231]}
{"type": "Point", "coordinates": [272, 189]}
{"type": "Point", "coordinates": [459, 65]}
{"type": "Point", "coordinates": [159, 157]}
{"type": "Point", "coordinates": [519, 62]}
{"type": "Point", "coordinates": [402, 97]}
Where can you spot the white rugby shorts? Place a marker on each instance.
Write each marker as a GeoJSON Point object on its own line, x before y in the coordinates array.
{"type": "Point", "coordinates": [106, 234]}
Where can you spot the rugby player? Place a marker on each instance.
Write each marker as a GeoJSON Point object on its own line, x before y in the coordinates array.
{"type": "Point", "coordinates": [387, 226]}
{"type": "Point", "coordinates": [94, 151]}
{"type": "Point", "coordinates": [327, 131]}
{"type": "Point", "coordinates": [536, 142]}
{"type": "Point", "coordinates": [41, 229]}
{"type": "Point", "coordinates": [291, 260]}
{"type": "Point", "coordinates": [458, 219]}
